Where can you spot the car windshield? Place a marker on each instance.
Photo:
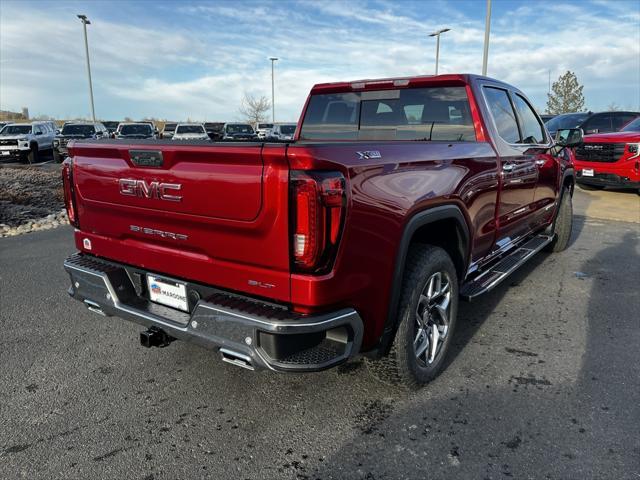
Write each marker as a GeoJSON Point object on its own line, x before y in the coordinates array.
{"type": "Point", "coordinates": [78, 130]}
{"type": "Point", "coordinates": [170, 127]}
{"type": "Point", "coordinates": [16, 130]}
{"type": "Point", "coordinates": [562, 122]}
{"type": "Point", "coordinates": [632, 126]}
{"type": "Point", "coordinates": [190, 129]}
{"type": "Point", "coordinates": [288, 129]}
{"type": "Point", "coordinates": [111, 125]}
{"type": "Point", "coordinates": [239, 128]}
{"type": "Point", "coordinates": [143, 129]}
{"type": "Point", "coordinates": [265, 126]}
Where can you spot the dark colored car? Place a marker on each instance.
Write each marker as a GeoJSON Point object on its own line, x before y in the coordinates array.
{"type": "Point", "coordinates": [75, 131]}
{"type": "Point", "coordinates": [605, 122]}
{"type": "Point", "coordinates": [168, 130]}
{"type": "Point", "coordinates": [111, 126]}
{"type": "Point", "coordinates": [139, 130]}
{"type": "Point", "coordinates": [610, 159]}
{"type": "Point", "coordinates": [215, 130]}
{"type": "Point", "coordinates": [546, 117]}
{"type": "Point", "coordinates": [566, 120]}
{"type": "Point", "coordinates": [395, 198]}
{"type": "Point", "coordinates": [239, 131]}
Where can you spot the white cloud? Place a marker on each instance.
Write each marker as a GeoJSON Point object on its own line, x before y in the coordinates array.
{"type": "Point", "coordinates": [201, 73]}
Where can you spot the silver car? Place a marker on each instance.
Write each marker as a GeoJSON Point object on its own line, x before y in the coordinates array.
{"type": "Point", "coordinates": [26, 141]}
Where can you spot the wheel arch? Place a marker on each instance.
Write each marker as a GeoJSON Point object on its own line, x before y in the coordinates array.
{"type": "Point", "coordinates": [452, 235]}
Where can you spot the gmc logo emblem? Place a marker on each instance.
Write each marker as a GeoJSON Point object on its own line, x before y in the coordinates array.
{"type": "Point", "coordinates": [142, 189]}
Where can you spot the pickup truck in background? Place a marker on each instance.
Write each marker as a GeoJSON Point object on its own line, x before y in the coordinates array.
{"type": "Point", "coordinates": [610, 159]}
{"type": "Point", "coordinates": [396, 198]}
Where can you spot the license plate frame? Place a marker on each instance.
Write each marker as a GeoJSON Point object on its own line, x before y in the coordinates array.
{"type": "Point", "coordinates": [587, 172]}
{"type": "Point", "coordinates": [168, 292]}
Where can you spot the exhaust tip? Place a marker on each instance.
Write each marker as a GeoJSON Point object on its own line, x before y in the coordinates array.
{"type": "Point", "coordinates": [237, 359]}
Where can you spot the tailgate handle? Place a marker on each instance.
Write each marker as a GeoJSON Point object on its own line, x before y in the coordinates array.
{"type": "Point", "coordinates": [146, 158]}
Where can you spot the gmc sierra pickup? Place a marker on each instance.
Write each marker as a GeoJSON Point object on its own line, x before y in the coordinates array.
{"type": "Point", "coordinates": [396, 198]}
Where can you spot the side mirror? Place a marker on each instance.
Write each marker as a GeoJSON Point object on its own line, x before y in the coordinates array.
{"type": "Point", "coordinates": [569, 137]}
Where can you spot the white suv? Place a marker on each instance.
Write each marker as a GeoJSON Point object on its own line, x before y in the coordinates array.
{"type": "Point", "coordinates": [263, 129]}
{"type": "Point", "coordinates": [190, 131]}
{"type": "Point", "coordinates": [282, 131]}
{"type": "Point", "coordinates": [26, 140]}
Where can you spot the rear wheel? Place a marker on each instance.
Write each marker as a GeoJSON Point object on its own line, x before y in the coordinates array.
{"type": "Point", "coordinates": [427, 319]}
{"type": "Point", "coordinates": [562, 225]}
{"type": "Point", "coordinates": [589, 188]}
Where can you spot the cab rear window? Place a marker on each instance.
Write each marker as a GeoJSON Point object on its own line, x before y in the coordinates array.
{"type": "Point", "coordinates": [413, 114]}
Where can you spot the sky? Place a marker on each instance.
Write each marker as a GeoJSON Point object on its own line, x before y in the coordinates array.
{"type": "Point", "coordinates": [195, 60]}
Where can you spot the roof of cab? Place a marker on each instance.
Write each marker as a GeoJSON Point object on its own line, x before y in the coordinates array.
{"type": "Point", "coordinates": [399, 82]}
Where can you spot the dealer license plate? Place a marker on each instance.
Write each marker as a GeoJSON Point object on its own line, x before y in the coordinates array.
{"type": "Point", "coordinates": [587, 172]}
{"type": "Point", "coordinates": [167, 292]}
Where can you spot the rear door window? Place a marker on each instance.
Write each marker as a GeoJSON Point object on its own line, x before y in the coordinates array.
{"type": "Point", "coordinates": [423, 114]}
{"type": "Point", "coordinates": [621, 119]}
{"type": "Point", "coordinates": [503, 114]}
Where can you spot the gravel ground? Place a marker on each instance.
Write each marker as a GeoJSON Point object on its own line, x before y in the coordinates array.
{"type": "Point", "coordinates": [30, 199]}
{"type": "Point", "coordinates": [542, 383]}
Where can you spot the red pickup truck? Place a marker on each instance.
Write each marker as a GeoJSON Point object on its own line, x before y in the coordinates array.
{"type": "Point", "coordinates": [610, 159]}
{"type": "Point", "coordinates": [396, 197]}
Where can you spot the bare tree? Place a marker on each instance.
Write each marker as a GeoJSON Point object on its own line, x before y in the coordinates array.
{"type": "Point", "coordinates": [254, 109]}
{"type": "Point", "coordinates": [613, 107]}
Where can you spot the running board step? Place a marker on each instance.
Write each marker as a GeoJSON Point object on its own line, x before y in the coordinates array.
{"type": "Point", "coordinates": [505, 267]}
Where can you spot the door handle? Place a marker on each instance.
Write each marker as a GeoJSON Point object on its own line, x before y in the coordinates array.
{"type": "Point", "coordinates": [508, 167]}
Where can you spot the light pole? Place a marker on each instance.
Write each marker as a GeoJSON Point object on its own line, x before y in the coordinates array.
{"type": "Point", "coordinates": [85, 21]}
{"type": "Point", "coordinates": [273, 90]}
{"type": "Point", "coordinates": [437, 35]}
{"type": "Point", "coordinates": [487, 26]}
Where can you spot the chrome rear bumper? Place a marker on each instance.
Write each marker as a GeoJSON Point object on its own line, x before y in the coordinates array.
{"type": "Point", "coordinates": [258, 335]}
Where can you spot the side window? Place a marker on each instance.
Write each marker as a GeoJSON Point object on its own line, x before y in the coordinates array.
{"type": "Point", "coordinates": [36, 129]}
{"type": "Point", "coordinates": [503, 114]}
{"type": "Point", "coordinates": [532, 131]}
{"type": "Point", "coordinates": [332, 116]}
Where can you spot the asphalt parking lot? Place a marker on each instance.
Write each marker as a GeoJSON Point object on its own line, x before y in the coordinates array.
{"type": "Point", "coordinates": [543, 383]}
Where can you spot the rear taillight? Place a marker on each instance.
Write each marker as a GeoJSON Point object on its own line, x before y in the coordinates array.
{"type": "Point", "coordinates": [69, 194]}
{"type": "Point", "coordinates": [318, 204]}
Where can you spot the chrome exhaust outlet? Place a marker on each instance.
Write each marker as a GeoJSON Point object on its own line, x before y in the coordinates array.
{"type": "Point", "coordinates": [237, 359]}
{"type": "Point", "coordinates": [94, 307]}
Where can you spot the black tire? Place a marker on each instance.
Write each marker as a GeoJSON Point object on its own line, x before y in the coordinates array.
{"type": "Point", "coordinates": [402, 365]}
{"type": "Point", "coordinates": [32, 156]}
{"type": "Point", "coordinates": [590, 188]}
{"type": "Point", "coordinates": [562, 225]}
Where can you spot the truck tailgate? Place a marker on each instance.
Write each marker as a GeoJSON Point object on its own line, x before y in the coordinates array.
{"type": "Point", "coordinates": [209, 213]}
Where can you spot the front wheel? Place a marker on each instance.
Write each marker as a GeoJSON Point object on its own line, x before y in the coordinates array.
{"type": "Point", "coordinates": [562, 225]}
{"type": "Point", "coordinates": [427, 319]}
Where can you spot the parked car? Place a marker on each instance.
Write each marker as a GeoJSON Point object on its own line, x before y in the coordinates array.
{"type": "Point", "coordinates": [25, 141]}
{"type": "Point", "coordinates": [565, 121]}
{"type": "Point", "coordinates": [138, 130]}
{"type": "Point", "coordinates": [74, 131]}
{"type": "Point", "coordinates": [397, 197]}
{"type": "Point", "coordinates": [238, 131]}
{"type": "Point", "coordinates": [215, 130]}
{"type": "Point", "coordinates": [2, 124]}
{"type": "Point", "coordinates": [282, 131]}
{"type": "Point", "coordinates": [168, 130]}
{"type": "Point", "coordinates": [111, 126]}
{"type": "Point", "coordinates": [262, 129]}
{"type": "Point", "coordinates": [190, 131]}
{"type": "Point", "coordinates": [610, 159]}
{"type": "Point", "coordinates": [605, 122]}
